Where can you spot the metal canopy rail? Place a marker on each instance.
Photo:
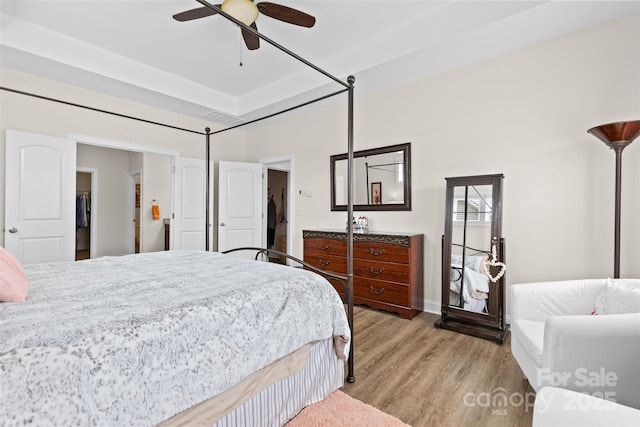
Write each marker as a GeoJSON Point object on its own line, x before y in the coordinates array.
{"type": "Point", "coordinates": [99, 110]}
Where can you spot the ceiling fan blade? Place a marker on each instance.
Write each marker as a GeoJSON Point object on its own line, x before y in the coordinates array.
{"type": "Point", "coordinates": [286, 14]}
{"type": "Point", "coordinates": [199, 12]}
{"type": "Point", "coordinates": [251, 40]}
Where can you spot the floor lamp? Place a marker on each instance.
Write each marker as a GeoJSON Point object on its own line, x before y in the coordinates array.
{"type": "Point", "coordinates": [617, 136]}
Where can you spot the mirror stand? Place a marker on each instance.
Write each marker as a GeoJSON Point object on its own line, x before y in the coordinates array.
{"type": "Point", "coordinates": [473, 258]}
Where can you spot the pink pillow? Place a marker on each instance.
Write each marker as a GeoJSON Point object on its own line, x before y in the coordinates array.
{"type": "Point", "coordinates": [617, 298]}
{"type": "Point", "coordinates": [14, 285]}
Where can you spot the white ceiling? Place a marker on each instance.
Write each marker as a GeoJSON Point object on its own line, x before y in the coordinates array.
{"type": "Point", "coordinates": [135, 50]}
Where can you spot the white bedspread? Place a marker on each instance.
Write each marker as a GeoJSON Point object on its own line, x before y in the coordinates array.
{"type": "Point", "coordinates": [134, 340]}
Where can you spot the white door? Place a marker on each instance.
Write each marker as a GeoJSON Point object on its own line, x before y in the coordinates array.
{"type": "Point", "coordinates": [239, 205]}
{"type": "Point", "coordinates": [40, 208]}
{"type": "Point", "coordinates": [189, 198]}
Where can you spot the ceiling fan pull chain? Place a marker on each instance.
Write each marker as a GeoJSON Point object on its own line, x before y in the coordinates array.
{"type": "Point", "coordinates": [241, 51]}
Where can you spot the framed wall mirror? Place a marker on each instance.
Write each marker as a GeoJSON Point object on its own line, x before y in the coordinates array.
{"type": "Point", "coordinates": [382, 179]}
{"type": "Point", "coordinates": [473, 264]}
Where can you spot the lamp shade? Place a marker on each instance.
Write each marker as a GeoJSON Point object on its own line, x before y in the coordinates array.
{"type": "Point", "coordinates": [617, 135]}
{"type": "Point", "coordinates": [244, 11]}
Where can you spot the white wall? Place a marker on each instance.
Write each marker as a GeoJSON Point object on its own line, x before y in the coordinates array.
{"type": "Point", "coordinates": [156, 184]}
{"type": "Point", "coordinates": [524, 114]}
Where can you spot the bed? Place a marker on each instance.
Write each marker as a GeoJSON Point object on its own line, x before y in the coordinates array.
{"type": "Point", "coordinates": [153, 338]}
{"type": "Point", "coordinates": [167, 306]}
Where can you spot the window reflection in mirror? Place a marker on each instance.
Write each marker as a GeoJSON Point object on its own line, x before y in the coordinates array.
{"type": "Point", "coordinates": [381, 177]}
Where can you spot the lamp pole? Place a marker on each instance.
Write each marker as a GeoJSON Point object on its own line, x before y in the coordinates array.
{"type": "Point", "coordinates": [617, 136]}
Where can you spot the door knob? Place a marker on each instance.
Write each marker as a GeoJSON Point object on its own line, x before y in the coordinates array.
{"type": "Point", "coordinates": [13, 230]}
{"type": "Point", "coordinates": [222, 224]}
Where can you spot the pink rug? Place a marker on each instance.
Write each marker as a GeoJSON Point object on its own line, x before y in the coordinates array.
{"type": "Point", "coordinates": [340, 409]}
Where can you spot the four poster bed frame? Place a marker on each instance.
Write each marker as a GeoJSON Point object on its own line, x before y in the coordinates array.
{"type": "Point", "coordinates": [349, 88]}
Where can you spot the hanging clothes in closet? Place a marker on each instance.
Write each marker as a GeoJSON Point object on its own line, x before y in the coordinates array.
{"type": "Point", "coordinates": [83, 210]}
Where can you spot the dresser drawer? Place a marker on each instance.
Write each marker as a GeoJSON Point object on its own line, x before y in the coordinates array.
{"type": "Point", "coordinates": [332, 263]}
{"type": "Point", "coordinates": [325, 246]}
{"type": "Point", "coordinates": [381, 251]}
{"type": "Point", "coordinates": [387, 271]}
{"type": "Point", "coordinates": [384, 292]}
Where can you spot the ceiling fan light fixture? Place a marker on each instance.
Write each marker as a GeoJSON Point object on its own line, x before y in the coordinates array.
{"type": "Point", "coordinates": [244, 11]}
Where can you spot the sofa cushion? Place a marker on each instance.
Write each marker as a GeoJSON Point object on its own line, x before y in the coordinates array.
{"type": "Point", "coordinates": [617, 298]}
{"type": "Point", "coordinates": [530, 333]}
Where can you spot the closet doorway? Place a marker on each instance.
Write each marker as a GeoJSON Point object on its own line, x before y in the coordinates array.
{"type": "Point", "coordinates": [86, 212]}
{"type": "Point", "coordinates": [118, 163]}
{"type": "Point", "coordinates": [277, 223]}
{"type": "Point", "coordinates": [278, 218]}
{"type": "Point", "coordinates": [137, 196]}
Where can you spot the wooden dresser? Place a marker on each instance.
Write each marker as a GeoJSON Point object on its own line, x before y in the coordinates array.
{"type": "Point", "coordinates": [388, 270]}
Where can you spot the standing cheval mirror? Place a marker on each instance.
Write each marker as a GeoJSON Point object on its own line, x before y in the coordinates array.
{"type": "Point", "coordinates": [473, 259]}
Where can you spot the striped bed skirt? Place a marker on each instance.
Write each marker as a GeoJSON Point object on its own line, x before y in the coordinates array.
{"type": "Point", "coordinates": [274, 395]}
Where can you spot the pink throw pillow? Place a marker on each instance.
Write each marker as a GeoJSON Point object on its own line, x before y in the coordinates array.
{"type": "Point", "coordinates": [14, 285]}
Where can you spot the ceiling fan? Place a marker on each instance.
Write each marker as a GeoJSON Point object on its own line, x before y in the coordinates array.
{"type": "Point", "coordinates": [246, 11]}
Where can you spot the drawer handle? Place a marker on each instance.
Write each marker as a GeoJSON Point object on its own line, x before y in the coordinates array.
{"type": "Point", "coordinates": [372, 271]}
{"type": "Point", "coordinates": [324, 263]}
{"type": "Point", "coordinates": [373, 252]}
{"type": "Point", "coordinates": [373, 290]}
{"type": "Point", "coordinates": [323, 247]}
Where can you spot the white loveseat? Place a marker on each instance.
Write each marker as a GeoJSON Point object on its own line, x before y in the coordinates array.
{"type": "Point", "coordinates": [558, 342]}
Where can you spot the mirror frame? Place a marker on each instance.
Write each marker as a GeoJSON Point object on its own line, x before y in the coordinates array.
{"type": "Point", "coordinates": [406, 206]}
{"type": "Point", "coordinates": [495, 181]}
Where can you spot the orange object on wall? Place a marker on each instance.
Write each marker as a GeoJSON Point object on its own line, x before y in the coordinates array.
{"type": "Point", "coordinates": [155, 210]}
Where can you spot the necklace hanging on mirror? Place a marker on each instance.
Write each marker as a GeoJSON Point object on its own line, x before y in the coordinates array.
{"type": "Point", "coordinates": [493, 262]}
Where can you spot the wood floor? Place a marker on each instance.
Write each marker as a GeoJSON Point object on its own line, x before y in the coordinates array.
{"type": "Point", "coordinates": [433, 377]}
